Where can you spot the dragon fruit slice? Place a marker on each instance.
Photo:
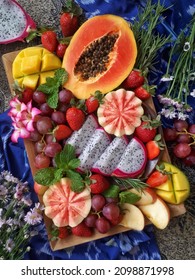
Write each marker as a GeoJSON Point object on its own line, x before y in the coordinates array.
{"type": "Point", "coordinates": [94, 148]}
{"type": "Point", "coordinates": [14, 22]}
{"type": "Point", "coordinates": [111, 156]}
{"type": "Point", "coordinates": [133, 160]}
{"type": "Point", "coordinates": [80, 138]}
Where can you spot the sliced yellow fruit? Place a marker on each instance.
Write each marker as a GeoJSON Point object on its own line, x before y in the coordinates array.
{"type": "Point", "coordinates": [32, 65]}
{"type": "Point", "coordinates": [177, 189]}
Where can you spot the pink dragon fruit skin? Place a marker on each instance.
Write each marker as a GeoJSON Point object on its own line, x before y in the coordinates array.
{"type": "Point", "coordinates": [133, 160]}
{"type": "Point", "coordinates": [111, 156]}
{"type": "Point", "coordinates": [80, 138]}
{"type": "Point", "coordinates": [96, 145]}
{"type": "Point", "coordinates": [15, 23]}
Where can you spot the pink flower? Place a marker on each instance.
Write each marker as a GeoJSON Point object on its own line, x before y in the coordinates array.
{"type": "Point", "coordinates": [19, 131]}
{"type": "Point", "coordinates": [28, 116]}
{"type": "Point", "coordinates": [17, 107]}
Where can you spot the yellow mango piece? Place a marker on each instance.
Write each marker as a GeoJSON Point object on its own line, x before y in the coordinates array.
{"type": "Point", "coordinates": [16, 69]}
{"type": "Point", "coordinates": [33, 51]}
{"type": "Point", "coordinates": [44, 75]}
{"type": "Point", "coordinates": [177, 189]}
{"type": "Point", "coordinates": [167, 196]}
{"type": "Point", "coordinates": [181, 196]}
{"type": "Point", "coordinates": [30, 64]}
{"type": "Point", "coordinates": [49, 62]}
{"type": "Point", "coordinates": [30, 81]}
{"type": "Point", "coordinates": [167, 186]}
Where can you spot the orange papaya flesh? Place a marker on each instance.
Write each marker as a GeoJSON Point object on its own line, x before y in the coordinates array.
{"type": "Point", "coordinates": [104, 44]}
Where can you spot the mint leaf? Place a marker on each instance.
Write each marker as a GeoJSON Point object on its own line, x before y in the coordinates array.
{"type": "Point", "coordinates": [68, 153]}
{"type": "Point", "coordinates": [128, 197]}
{"type": "Point", "coordinates": [113, 191]}
{"type": "Point", "coordinates": [52, 100]}
{"type": "Point", "coordinates": [52, 86]}
{"type": "Point", "coordinates": [77, 184]}
{"type": "Point", "coordinates": [45, 176]}
{"type": "Point", "coordinates": [58, 174]}
{"type": "Point", "coordinates": [74, 163]}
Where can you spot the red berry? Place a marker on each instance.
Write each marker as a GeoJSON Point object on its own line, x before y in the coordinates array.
{"type": "Point", "coordinates": [49, 40]}
{"type": "Point", "coordinates": [145, 134]}
{"type": "Point", "coordinates": [61, 48]}
{"type": "Point", "coordinates": [98, 183]}
{"type": "Point", "coordinates": [91, 104]}
{"type": "Point", "coordinates": [82, 230]}
{"type": "Point", "coordinates": [68, 24]}
{"type": "Point", "coordinates": [75, 118]}
{"type": "Point", "coordinates": [134, 80]}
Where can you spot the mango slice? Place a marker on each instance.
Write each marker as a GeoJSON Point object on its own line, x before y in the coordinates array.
{"type": "Point", "coordinates": [177, 189]}
{"type": "Point", "coordinates": [33, 65]}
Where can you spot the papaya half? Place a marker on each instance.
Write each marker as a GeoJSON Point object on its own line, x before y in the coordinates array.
{"type": "Point", "coordinates": [100, 55]}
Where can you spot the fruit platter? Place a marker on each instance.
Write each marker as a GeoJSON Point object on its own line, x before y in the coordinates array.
{"type": "Point", "coordinates": [94, 142]}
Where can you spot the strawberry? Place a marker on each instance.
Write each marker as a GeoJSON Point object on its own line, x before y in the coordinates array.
{"type": "Point", "coordinates": [75, 118]}
{"type": "Point", "coordinates": [156, 179]}
{"type": "Point", "coordinates": [23, 94]}
{"type": "Point", "coordinates": [82, 230]}
{"type": "Point", "coordinates": [142, 93]}
{"type": "Point", "coordinates": [98, 183]}
{"type": "Point", "coordinates": [144, 132]}
{"type": "Point", "coordinates": [134, 80]}
{"type": "Point", "coordinates": [61, 132]}
{"type": "Point", "coordinates": [68, 23]}
{"type": "Point", "coordinates": [63, 232]}
{"type": "Point", "coordinates": [49, 40]}
{"type": "Point", "coordinates": [154, 147]}
{"type": "Point", "coordinates": [60, 51]}
{"type": "Point", "coordinates": [92, 103]}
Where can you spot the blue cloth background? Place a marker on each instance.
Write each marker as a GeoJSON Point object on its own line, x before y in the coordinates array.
{"type": "Point", "coordinates": [129, 245]}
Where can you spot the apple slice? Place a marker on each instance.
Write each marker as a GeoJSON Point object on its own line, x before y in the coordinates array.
{"type": "Point", "coordinates": [148, 196]}
{"type": "Point", "coordinates": [158, 213]}
{"type": "Point", "coordinates": [133, 217]}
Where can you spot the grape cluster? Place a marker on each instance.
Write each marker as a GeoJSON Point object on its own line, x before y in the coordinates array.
{"type": "Point", "coordinates": [182, 136]}
{"type": "Point", "coordinates": [104, 214]}
{"type": "Point", "coordinates": [46, 146]}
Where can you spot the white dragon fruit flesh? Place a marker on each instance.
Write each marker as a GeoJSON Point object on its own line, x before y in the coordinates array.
{"type": "Point", "coordinates": [133, 160]}
{"type": "Point", "coordinates": [79, 138]}
{"type": "Point", "coordinates": [14, 22]}
{"type": "Point", "coordinates": [110, 158]}
{"type": "Point", "coordinates": [96, 145]}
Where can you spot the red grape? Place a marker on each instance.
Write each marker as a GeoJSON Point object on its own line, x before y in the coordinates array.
{"type": "Point", "coordinates": [42, 161]}
{"type": "Point", "coordinates": [180, 125]}
{"type": "Point", "coordinates": [183, 138]}
{"type": "Point", "coordinates": [39, 146]}
{"type": "Point", "coordinates": [52, 149]}
{"type": "Point", "coordinates": [190, 159]}
{"type": "Point", "coordinates": [90, 220]}
{"type": "Point", "coordinates": [65, 96]}
{"type": "Point", "coordinates": [102, 225]}
{"type": "Point", "coordinates": [191, 129]}
{"type": "Point", "coordinates": [58, 117]}
{"type": "Point", "coordinates": [46, 110]}
{"type": "Point", "coordinates": [39, 97]}
{"type": "Point", "coordinates": [170, 134]}
{"type": "Point", "coordinates": [44, 125]}
{"type": "Point", "coordinates": [97, 202]}
{"type": "Point", "coordinates": [111, 211]}
{"type": "Point", "coordinates": [182, 150]}
{"type": "Point", "coordinates": [49, 138]}
{"type": "Point", "coordinates": [63, 107]}
{"type": "Point", "coordinates": [35, 136]}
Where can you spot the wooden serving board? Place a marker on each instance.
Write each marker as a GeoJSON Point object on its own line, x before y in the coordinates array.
{"type": "Point", "coordinates": [176, 210]}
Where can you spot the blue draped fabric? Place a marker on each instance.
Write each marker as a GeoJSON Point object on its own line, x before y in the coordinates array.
{"type": "Point", "coordinates": [129, 245]}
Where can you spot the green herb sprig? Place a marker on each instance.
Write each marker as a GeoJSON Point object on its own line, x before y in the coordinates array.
{"type": "Point", "coordinates": [127, 183]}
{"type": "Point", "coordinates": [53, 85]}
{"type": "Point", "coordinates": [148, 42]}
{"type": "Point", "coordinates": [66, 164]}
